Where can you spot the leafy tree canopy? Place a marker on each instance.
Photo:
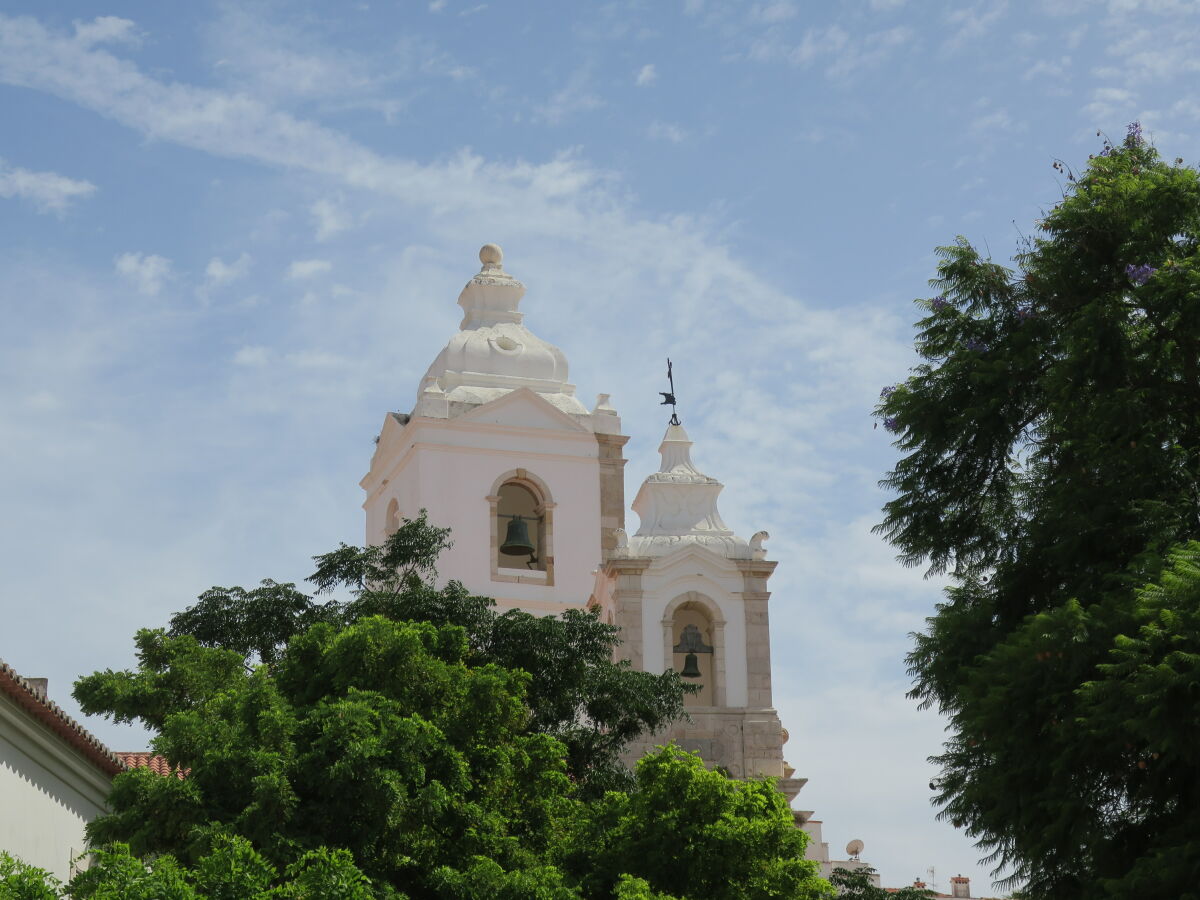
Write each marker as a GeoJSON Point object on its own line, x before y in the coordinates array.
{"type": "Point", "coordinates": [411, 742]}
{"type": "Point", "coordinates": [1051, 463]}
{"type": "Point", "coordinates": [576, 692]}
{"type": "Point", "coordinates": [856, 884]}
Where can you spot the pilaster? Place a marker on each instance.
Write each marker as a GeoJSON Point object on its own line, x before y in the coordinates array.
{"type": "Point", "coordinates": [612, 489]}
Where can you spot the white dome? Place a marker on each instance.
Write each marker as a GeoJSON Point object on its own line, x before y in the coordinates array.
{"type": "Point", "coordinates": [493, 353]}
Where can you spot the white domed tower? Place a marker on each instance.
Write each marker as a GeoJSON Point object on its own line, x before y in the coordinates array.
{"type": "Point", "coordinates": [499, 449]}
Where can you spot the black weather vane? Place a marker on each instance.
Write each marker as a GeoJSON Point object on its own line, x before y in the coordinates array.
{"type": "Point", "coordinates": [669, 398]}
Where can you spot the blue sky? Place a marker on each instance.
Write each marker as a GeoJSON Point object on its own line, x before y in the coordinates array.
{"type": "Point", "coordinates": [232, 235]}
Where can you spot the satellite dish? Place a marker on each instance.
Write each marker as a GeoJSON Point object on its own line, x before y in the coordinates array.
{"type": "Point", "coordinates": [854, 848]}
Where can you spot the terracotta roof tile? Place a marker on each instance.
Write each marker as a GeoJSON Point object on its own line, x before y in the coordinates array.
{"type": "Point", "coordinates": [46, 711]}
{"type": "Point", "coordinates": [141, 759]}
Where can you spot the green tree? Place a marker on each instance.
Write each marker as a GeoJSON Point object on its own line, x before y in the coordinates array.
{"type": "Point", "coordinates": [728, 839]}
{"type": "Point", "coordinates": [376, 737]}
{"type": "Point", "coordinates": [576, 692]}
{"type": "Point", "coordinates": [21, 881]}
{"type": "Point", "coordinates": [1051, 442]}
{"type": "Point", "coordinates": [429, 745]}
{"type": "Point", "coordinates": [856, 884]}
{"type": "Point", "coordinates": [230, 870]}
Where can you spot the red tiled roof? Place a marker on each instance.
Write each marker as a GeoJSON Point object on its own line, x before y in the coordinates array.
{"type": "Point", "coordinates": [49, 714]}
{"type": "Point", "coordinates": [140, 759]}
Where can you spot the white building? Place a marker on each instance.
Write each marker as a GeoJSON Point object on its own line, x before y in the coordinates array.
{"type": "Point", "coordinates": [498, 446]}
{"type": "Point", "coordinates": [54, 777]}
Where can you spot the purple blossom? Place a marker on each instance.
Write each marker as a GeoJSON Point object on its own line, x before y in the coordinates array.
{"type": "Point", "coordinates": [887, 391]}
{"type": "Point", "coordinates": [975, 346]}
{"type": "Point", "coordinates": [891, 424]}
{"type": "Point", "coordinates": [1140, 274]}
{"type": "Point", "coordinates": [1133, 134]}
{"type": "Point", "coordinates": [939, 303]}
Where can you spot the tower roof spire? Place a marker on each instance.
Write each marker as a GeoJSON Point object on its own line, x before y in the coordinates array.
{"type": "Point", "coordinates": [492, 296]}
{"type": "Point", "coordinates": [493, 352]}
{"type": "Point", "coordinates": [677, 506]}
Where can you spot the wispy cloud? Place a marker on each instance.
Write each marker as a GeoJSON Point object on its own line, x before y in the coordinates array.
{"type": "Point", "coordinates": [107, 30]}
{"type": "Point", "coordinates": [1110, 103]}
{"type": "Point", "coordinates": [576, 96]}
{"type": "Point", "coordinates": [1048, 68]}
{"type": "Point", "coordinates": [969, 23]}
{"type": "Point", "coordinates": [991, 120]}
{"type": "Point", "coordinates": [303, 269]}
{"type": "Point", "coordinates": [331, 217]}
{"type": "Point", "coordinates": [219, 273]}
{"type": "Point", "coordinates": [646, 75]}
{"type": "Point", "coordinates": [251, 355]}
{"type": "Point", "coordinates": [839, 51]}
{"type": "Point", "coordinates": [771, 13]}
{"type": "Point", "coordinates": [47, 191]}
{"type": "Point", "coordinates": [146, 272]}
{"type": "Point", "coordinates": [291, 62]}
{"type": "Point", "coordinates": [665, 131]}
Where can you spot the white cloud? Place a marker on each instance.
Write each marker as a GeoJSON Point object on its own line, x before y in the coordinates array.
{"type": "Point", "coordinates": [437, 6]}
{"type": "Point", "coordinates": [308, 268]}
{"type": "Point", "coordinates": [995, 120]}
{"type": "Point", "coordinates": [1048, 68]}
{"type": "Point", "coordinates": [331, 217]}
{"type": "Point", "coordinates": [1109, 103]}
{"type": "Point", "coordinates": [107, 30]}
{"type": "Point", "coordinates": [252, 355]}
{"type": "Point", "coordinates": [973, 22]}
{"type": "Point", "coordinates": [146, 272]}
{"type": "Point", "coordinates": [883, 5]}
{"type": "Point", "coordinates": [234, 124]}
{"type": "Point", "coordinates": [842, 52]}
{"type": "Point", "coordinates": [292, 62]}
{"type": "Point", "coordinates": [772, 13]}
{"type": "Point", "coordinates": [646, 75]}
{"type": "Point", "coordinates": [575, 96]}
{"type": "Point", "coordinates": [665, 131]}
{"type": "Point", "coordinates": [218, 272]}
{"type": "Point", "coordinates": [47, 191]}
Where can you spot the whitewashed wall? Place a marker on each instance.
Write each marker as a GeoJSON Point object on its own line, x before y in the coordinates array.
{"type": "Point", "coordinates": [48, 793]}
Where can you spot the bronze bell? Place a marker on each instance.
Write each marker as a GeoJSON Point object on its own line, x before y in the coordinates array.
{"type": "Point", "coordinates": [516, 539]}
{"type": "Point", "coordinates": [691, 666]}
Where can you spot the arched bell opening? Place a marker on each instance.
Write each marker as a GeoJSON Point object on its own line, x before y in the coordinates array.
{"type": "Point", "coordinates": [522, 527]}
{"type": "Point", "coordinates": [695, 649]}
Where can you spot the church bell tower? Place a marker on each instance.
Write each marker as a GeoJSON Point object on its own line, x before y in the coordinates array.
{"type": "Point", "coordinates": [531, 483]}
{"type": "Point", "coordinates": [498, 448]}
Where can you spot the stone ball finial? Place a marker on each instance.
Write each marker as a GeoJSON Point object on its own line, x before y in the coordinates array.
{"type": "Point", "coordinates": [491, 255]}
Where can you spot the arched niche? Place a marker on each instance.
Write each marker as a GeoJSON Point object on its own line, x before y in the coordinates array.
{"type": "Point", "coordinates": [521, 493]}
{"type": "Point", "coordinates": [694, 627]}
{"type": "Point", "coordinates": [391, 522]}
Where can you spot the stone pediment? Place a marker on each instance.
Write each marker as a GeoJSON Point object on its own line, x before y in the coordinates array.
{"type": "Point", "coordinates": [523, 408]}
